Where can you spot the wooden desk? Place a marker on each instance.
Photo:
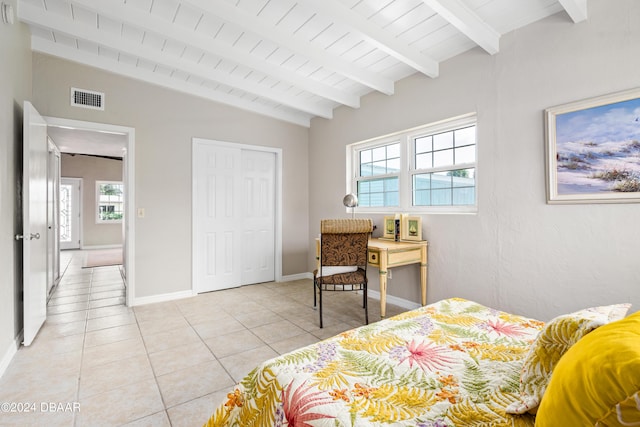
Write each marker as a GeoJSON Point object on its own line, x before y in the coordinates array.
{"type": "Point", "coordinates": [385, 254]}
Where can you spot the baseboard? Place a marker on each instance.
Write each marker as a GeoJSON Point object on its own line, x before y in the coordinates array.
{"type": "Point", "coordinates": [400, 302]}
{"type": "Point", "coordinates": [299, 276]}
{"type": "Point", "coordinates": [8, 355]}
{"type": "Point", "coordinates": [89, 247]}
{"type": "Point", "coordinates": [163, 297]}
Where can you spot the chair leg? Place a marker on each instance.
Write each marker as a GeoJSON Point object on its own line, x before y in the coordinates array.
{"type": "Point", "coordinates": [320, 301]}
{"type": "Point", "coordinates": [315, 285]}
{"type": "Point", "coordinates": [366, 306]}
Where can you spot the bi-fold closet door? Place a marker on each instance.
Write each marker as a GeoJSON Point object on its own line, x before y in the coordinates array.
{"type": "Point", "coordinates": [234, 194]}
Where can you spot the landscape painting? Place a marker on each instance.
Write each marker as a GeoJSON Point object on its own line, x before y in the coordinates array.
{"type": "Point", "coordinates": [593, 150]}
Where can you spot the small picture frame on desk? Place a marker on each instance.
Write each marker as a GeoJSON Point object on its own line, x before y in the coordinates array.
{"type": "Point", "coordinates": [411, 229]}
{"type": "Point", "coordinates": [389, 230]}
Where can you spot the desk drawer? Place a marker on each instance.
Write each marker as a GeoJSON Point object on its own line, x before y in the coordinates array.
{"type": "Point", "coordinates": [404, 257]}
{"type": "Point", "coordinates": [374, 258]}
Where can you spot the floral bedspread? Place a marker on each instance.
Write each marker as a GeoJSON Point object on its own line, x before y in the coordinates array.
{"type": "Point", "coordinates": [451, 363]}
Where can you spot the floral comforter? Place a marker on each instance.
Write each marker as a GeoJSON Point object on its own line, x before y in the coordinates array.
{"type": "Point", "coordinates": [451, 363]}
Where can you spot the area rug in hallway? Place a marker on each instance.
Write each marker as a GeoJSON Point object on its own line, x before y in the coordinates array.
{"type": "Point", "coordinates": [102, 258]}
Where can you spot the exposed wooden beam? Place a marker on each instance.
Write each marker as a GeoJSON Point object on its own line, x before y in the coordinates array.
{"type": "Point", "coordinates": [133, 16]}
{"type": "Point", "coordinates": [37, 16]}
{"type": "Point", "coordinates": [376, 36]}
{"type": "Point", "coordinates": [577, 9]}
{"type": "Point", "coordinates": [235, 15]}
{"type": "Point", "coordinates": [467, 22]}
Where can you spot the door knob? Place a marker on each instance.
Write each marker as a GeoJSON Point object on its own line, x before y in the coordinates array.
{"type": "Point", "coordinates": [19, 236]}
{"type": "Point", "coordinates": [34, 236]}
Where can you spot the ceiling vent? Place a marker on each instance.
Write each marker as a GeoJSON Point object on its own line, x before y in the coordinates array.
{"type": "Point", "coordinates": [87, 99]}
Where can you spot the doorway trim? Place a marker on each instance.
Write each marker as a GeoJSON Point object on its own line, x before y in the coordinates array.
{"type": "Point", "coordinates": [129, 183]}
{"type": "Point", "coordinates": [278, 201]}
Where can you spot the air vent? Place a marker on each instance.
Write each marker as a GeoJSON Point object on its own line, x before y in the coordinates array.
{"type": "Point", "coordinates": [87, 99]}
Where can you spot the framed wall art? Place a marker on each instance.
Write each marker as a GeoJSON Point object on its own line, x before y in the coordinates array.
{"type": "Point", "coordinates": [411, 228]}
{"type": "Point", "coordinates": [593, 150]}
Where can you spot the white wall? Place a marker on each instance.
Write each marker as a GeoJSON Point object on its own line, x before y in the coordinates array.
{"type": "Point", "coordinates": [165, 121]}
{"type": "Point", "coordinates": [15, 88]}
{"type": "Point", "coordinates": [518, 253]}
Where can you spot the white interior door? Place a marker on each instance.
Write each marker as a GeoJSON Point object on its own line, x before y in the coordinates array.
{"type": "Point", "coordinates": [34, 222]}
{"type": "Point", "coordinates": [53, 226]}
{"type": "Point", "coordinates": [70, 213]}
{"type": "Point", "coordinates": [234, 220]}
{"type": "Point", "coordinates": [258, 224]}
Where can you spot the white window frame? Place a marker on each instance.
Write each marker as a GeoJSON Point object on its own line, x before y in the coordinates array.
{"type": "Point", "coordinates": [97, 205]}
{"type": "Point", "coordinates": [407, 166]}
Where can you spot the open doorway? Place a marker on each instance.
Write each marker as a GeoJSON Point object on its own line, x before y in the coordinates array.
{"type": "Point", "coordinates": [99, 141]}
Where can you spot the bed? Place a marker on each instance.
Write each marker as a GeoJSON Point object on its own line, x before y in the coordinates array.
{"type": "Point", "coordinates": [451, 363]}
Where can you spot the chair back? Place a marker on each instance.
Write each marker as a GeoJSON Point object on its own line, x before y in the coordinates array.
{"type": "Point", "coordinates": [344, 242]}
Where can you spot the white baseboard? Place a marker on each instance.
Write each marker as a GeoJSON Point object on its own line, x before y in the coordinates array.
{"type": "Point", "coordinates": [400, 302]}
{"type": "Point", "coordinates": [299, 276]}
{"type": "Point", "coordinates": [89, 247]}
{"type": "Point", "coordinates": [163, 297]}
{"type": "Point", "coordinates": [8, 355]}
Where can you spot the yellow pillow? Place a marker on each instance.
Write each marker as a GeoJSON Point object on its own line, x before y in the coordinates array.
{"type": "Point", "coordinates": [552, 342]}
{"type": "Point", "coordinates": [597, 382]}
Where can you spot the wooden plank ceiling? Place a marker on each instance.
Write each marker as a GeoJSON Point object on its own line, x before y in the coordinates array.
{"type": "Point", "coordinates": [288, 59]}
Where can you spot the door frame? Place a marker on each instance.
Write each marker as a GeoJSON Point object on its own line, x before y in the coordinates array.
{"type": "Point", "coordinates": [77, 181]}
{"type": "Point", "coordinates": [129, 185]}
{"type": "Point", "coordinates": [277, 202]}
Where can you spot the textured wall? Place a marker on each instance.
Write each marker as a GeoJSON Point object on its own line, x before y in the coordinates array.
{"type": "Point", "coordinates": [517, 253]}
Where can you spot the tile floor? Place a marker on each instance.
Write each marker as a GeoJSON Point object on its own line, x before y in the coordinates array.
{"type": "Point", "coordinates": [164, 364]}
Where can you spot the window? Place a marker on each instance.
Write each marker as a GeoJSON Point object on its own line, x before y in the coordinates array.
{"type": "Point", "coordinates": [109, 201]}
{"type": "Point", "coordinates": [427, 169]}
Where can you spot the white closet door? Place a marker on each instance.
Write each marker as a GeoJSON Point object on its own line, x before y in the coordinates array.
{"type": "Point", "coordinates": [258, 225]}
{"type": "Point", "coordinates": [234, 220]}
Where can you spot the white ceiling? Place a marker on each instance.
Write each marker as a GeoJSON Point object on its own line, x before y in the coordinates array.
{"type": "Point", "coordinates": [288, 59]}
{"type": "Point", "coordinates": [83, 141]}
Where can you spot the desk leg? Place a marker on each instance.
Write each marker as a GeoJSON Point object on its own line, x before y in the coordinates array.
{"type": "Point", "coordinates": [423, 275]}
{"type": "Point", "coordinates": [383, 285]}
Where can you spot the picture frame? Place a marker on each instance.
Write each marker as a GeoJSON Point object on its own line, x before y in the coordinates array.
{"type": "Point", "coordinates": [592, 150]}
{"type": "Point", "coordinates": [411, 228]}
{"type": "Point", "coordinates": [389, 229]}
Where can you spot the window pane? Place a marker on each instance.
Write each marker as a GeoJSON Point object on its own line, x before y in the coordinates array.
{"type": "Point", "coordinates": [380, 168]}
{"type": "Point", "coordinates": [465, 136]}
{"type": "Point", "coordinates": [442, 158]}
{"type": "Point", "coordinates": [366, 169]}
{"type": "Point", "coordinates": [423, 144]}
{"type": "Point", "coordinates": [379, 192]}
{"type": "Point", "coordinates": [393, 166]}
{"type": "Point", "coordinates": [393, 151]}
{"type": "Point", "coordinates": [463, 178]}
{"type": "Point", "coordinates": [442, 141]}
{"type": "Point", "coordinates": [465, 154]}
{"type": "Point", "coordinates": [424, 161]}
{"type": "Point", "coordinates": [464, 196]}
{"type": "Point", "coordinates": [422, 181]}
{"type": "Point", "coordinates": [422, 198]}
{"type": "Point", "coordinates": [365, 156]}
{"type": "Point", "coordinates": [441, 197]}
{"type": "Point", "coordinates": [441, 180]}
{"type": "Point", "coordinates": [110, 201]}
{"type": "Point", "coordinates": [379, 153]}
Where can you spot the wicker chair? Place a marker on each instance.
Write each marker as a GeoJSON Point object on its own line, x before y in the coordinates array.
{"type": "Point", "coordinates": [343, 259]}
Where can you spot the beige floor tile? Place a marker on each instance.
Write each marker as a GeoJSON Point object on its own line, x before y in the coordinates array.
{"type": "Point", "coordinates": [38, 418]}
{"type": "Point", "coordinates": [66, 317]}
{"type": "Point", "coordinates": [108, 376]}
{"type": "Point", "coordinates": [111, 352]}
{"type": "Point", "coordinates": [67, 308]}
{"type": "Point", "coordinates": [169, 339]}
{"type": "Point", "coordinates": [277, 331]}
{"type": "Point", "coordinates": [177, 358]}
{"type": "Point", "coordinates": [56, 330]}
{"type": "Point", "coordinates": [257, 318]}
{"type": "Point", "coordinates": [159, 419]}
{"type": "Point", "coordinates": [108, 311]}
{"type": "Point", "coordinates": [150, 327]}
{"type": "Point", "coordinates": [121, 405]}
{"type": "Point", "coordinates": [196, 381]}
{"type": "Point", "coordinates": [233, 343]}
{"type": "Point", "coordinates": [70, 299]}
{"type": "Point", "coordinates": [290, 344]}
{"type": "Point", "coordinates": [106, 302]}
{"type": "Point", "coordinates": [96, 295]}
{"type": "Point", "coordinates": [197, 411]}
{"type": "Point", "coordinates": [214, 328]}
{"type": "Point", "coordinates": [239, 365]}
{"type": "Point", "coordinates": [111, 335]}
{"type": "Point", "coordinates": [110, 321]}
